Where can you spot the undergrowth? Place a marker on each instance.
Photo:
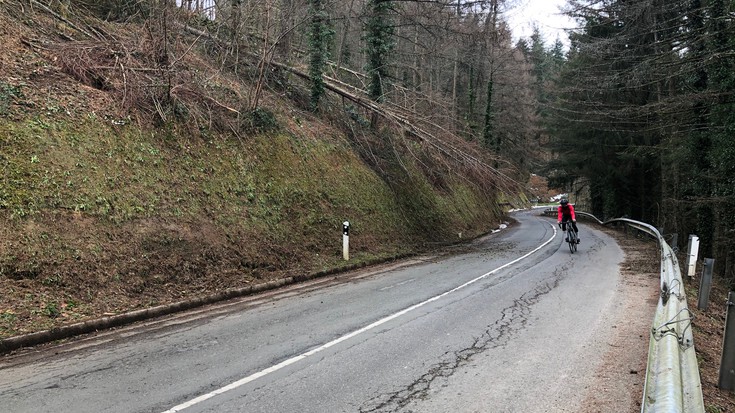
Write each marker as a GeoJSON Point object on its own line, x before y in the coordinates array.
{"type": "Point", "coordinates": [116, 195]}
{"type": "Point", "coordinates": [101, 216]}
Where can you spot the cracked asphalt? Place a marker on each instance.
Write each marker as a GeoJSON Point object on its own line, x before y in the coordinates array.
{"type": "Point", "coordinates": [434, 334]}
{"type": "Point", "coordinates": [513, 319]}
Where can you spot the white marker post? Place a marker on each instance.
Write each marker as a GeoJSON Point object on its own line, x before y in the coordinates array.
{"type": "Point", "coordinates": [346, 240]}
{"type": "Point", "coordinates": [692, 254]}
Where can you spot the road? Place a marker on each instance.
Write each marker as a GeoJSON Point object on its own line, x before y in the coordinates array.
{"type": "Point", "coordinates": [511, 323]}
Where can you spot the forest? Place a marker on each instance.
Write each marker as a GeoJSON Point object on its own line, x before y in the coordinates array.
{"type": "Point", "coordinates": [633, 117]}
{"type": "Point", "coordinates": [642, 111]}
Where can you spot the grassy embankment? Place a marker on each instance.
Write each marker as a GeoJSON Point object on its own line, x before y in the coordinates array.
{"type": "Point", "coordinates": [99, 218]}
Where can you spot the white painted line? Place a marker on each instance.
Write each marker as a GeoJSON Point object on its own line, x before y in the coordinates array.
{"type": "Point", "coordinates": [285, 363]}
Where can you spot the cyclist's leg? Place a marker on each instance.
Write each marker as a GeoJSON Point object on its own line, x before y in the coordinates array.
{"type": "Point", "coordinates": [576, 230]}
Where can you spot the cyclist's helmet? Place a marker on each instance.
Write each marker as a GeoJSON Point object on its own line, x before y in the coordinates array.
{"type": "Point", "coordinates": [564, 201]}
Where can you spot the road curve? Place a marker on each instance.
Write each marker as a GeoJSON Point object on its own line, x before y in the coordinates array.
{"type": "Point", "coordinates": [512, 322]}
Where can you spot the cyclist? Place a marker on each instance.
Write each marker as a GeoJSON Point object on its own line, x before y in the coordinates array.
{"type": "Point", "coordinates": [565, 215]}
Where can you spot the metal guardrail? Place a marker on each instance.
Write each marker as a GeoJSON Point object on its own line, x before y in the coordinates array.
{"type": "Point", "coordinates": [672, 381]}
{"type": "Point", "coordinates": [672, 374]}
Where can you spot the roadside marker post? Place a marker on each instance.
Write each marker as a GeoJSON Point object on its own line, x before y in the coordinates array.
{"type": "Point", "coordinates": [346, 240]}
{"type": "Point", "coordinates": [692, 253]}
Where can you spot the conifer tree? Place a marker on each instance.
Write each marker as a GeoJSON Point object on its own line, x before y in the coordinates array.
{"type": "Point", "coordinates": [489, 137]}
{"type": "Point", "coordinates": [379, 44]}
{"type": "Point", "coordinates": [722, 160]}
{"type": "Point", "coordinates": [319, 34]}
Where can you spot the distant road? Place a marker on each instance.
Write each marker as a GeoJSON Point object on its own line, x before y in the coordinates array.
{"type": "Point", "coordinates": [511, 323]}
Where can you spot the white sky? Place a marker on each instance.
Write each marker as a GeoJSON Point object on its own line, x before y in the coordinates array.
{"type": "Point", "coordinates": [521, 15]}
{"type": "Point", "coordinates": [544, 13]}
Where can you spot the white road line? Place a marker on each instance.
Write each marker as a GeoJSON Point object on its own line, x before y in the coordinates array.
{"type": "Point", "coordinates": [255, 376]}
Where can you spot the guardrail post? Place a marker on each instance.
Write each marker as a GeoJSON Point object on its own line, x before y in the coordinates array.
{"type": "Point", "coordinates": [675, 241]}
{"type": "Point", "coordinates": [705, 284]}
{"type": "Point", "coordinates": [692, 253]}
{"type": "Point", "coordinates": [727, 362]}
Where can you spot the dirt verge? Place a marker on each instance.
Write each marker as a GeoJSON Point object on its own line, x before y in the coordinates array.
{"type": "Point", "coordinates": [623, 373]}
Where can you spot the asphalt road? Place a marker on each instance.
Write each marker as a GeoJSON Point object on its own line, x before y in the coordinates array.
{"type": "Point", "coordinates": [510, 323]}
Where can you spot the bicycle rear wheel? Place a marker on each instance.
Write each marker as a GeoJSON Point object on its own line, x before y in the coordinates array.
{"type": "Point", "coordinates": [572, 241]}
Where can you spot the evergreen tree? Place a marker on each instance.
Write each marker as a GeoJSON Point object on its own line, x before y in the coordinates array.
{"type": "Point", "coordinates": [489, 137]}
{"type": "Point", "coordinates": [379, 44]}
{"type": "Point", "coordinates": [319, 34]}
{"type": "Point", "coordinates": [722, 156]}
{"type": "Point", "coordinates": [594, 138]}
{"type": "Point", "coordinates": [647, 115]}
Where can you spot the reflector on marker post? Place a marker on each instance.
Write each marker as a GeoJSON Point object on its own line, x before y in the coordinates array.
{"type": "Point", "coordinates": [346, 240]}
{"type": "Point", "coordinates": [693, 253]}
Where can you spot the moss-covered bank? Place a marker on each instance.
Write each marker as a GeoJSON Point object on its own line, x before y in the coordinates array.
{"type": "Point", "coordinates": [99, 216]}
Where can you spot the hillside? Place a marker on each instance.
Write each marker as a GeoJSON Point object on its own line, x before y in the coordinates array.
{"type": "Point", "coordinates": [126, 184]}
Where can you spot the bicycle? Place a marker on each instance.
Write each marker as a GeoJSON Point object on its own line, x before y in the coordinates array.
{"type": "Point", "coordinates": [571, 237]}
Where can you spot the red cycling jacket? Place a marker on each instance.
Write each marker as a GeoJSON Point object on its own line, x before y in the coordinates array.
{"type": "Point", "coordinates": [567, 212]}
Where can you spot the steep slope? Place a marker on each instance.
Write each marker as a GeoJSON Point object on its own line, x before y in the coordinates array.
{"type": "Point", "coordinates": [116, 196]}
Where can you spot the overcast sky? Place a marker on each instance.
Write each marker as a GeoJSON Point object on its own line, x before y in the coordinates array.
{"type": "Point", "coordinates": [545, 14]}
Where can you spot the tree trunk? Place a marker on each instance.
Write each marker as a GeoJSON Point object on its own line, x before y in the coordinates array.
{"type": "Point", "coordinates": [264, 61]}
{"type": "Point", "coordinates": [286, 30]}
